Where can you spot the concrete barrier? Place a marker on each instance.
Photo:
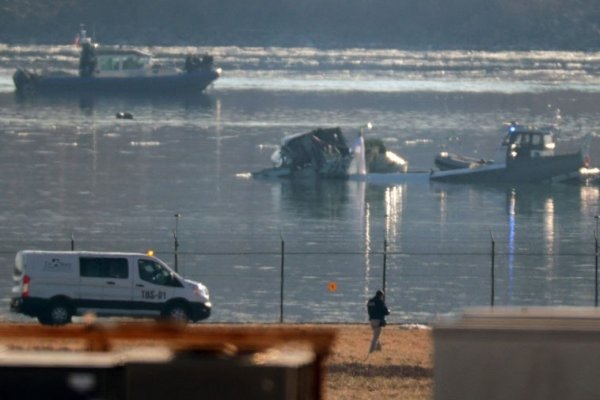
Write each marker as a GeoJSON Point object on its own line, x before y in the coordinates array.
{"type": "Point", "coordinates": [518, 354]}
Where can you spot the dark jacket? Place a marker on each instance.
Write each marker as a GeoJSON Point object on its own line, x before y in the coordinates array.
{"type": "Point", "coordinates": [377, 309]}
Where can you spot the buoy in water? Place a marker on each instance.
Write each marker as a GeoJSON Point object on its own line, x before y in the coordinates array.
{"type": "Point", "coordinates": [124, 115]}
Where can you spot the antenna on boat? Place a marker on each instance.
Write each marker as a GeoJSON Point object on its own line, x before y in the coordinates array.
{"type": "Point", "coordinates": [557, 121]}
{"type": "Point", "coordinates": [80, 35]}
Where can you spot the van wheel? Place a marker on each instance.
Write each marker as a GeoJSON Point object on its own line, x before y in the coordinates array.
{"type": "Point", "coordinates": [178, 313]}
{"type": "Point", "coordinates": [58, 313]}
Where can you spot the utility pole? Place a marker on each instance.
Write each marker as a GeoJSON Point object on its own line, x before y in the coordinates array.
{"type": "Point", "coordinates": [176, 241]}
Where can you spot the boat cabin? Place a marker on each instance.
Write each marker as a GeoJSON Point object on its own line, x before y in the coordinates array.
{"type": "Point", "coordinates": [127, 63]}
{"type": "Point", "coordinates": [524, 142]}
{"type": "Point", "coordinates": [115, 63]}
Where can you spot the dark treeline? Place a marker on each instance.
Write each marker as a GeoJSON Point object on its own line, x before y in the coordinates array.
{"type": "Point", "coordinates": [421, 24]}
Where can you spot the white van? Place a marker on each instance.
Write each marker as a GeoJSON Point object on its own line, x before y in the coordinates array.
{"type": "Point", "coordinates": [53, 286]}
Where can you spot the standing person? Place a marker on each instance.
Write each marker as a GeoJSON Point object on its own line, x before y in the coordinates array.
{"type": "Point", "coordinates": [377, 311]}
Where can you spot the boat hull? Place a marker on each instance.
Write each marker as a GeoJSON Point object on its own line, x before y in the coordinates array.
{"type": "Point", "coordinates": [520, 170]}
{"type": "Point", "coordinates": [195, 81]}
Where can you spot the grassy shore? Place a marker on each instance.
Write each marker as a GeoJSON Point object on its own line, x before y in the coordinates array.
{"type": "Point", "coordinates": [402, 370]}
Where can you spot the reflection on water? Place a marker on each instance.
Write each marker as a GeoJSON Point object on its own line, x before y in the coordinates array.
{"type": "Point", "coordinates": [542, 245]}
{"type": "Point", "coordinates": [368, 239]}
{"type": "Point", "coordinates": [316, 198]}
{"type": "Point", "coordinates": [511, 242]}
{"type": "Point", "coordinates": [86, 102]}
{"type": "Point", "coordinates": [394, 197]}
{"type": "Point", "coordinates": [390, 199]}
{"type": "Point", "coordinates": [589, 197]}
{"type": "Point", "coordinates": [549, 230]}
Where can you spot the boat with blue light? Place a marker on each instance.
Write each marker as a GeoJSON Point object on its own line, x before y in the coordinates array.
{"type": "Point", "coordinates": [526, 155]}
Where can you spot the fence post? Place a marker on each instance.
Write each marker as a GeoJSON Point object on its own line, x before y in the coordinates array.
{"type": "Point", "coordinates": [282, 280]}
{"type": "Point", "coordinates": [596, 268]}
{"type": "Point", "coordinates": [176, 242]}
{"type": "Point", "coordinates": [384, 263]}
{"type": "Point", "coordinates": [493, 257]}
{"type": "Point", "coordinates": [72, 242]}
{"type": "Point", "coordinates": [597, 218]}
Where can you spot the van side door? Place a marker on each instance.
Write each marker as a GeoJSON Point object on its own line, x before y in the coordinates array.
{"type": "Point", "coordinates": [105, 282]}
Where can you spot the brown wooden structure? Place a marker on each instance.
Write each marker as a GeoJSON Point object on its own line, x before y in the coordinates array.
{"type": "Point", "coordinates": [141, 360]}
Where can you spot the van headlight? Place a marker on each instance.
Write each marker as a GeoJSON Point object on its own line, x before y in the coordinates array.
{"type": "Point", "coordinates": [201, 291]}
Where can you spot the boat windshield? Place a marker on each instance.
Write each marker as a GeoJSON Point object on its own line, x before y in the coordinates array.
{"type": "Point", "coordinates": [534, 140]}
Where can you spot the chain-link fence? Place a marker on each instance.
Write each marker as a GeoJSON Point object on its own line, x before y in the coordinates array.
{"type": "Point", "coordinates": [279, 283]}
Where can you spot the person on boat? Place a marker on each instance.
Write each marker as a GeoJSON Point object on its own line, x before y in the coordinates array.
{"type": "Point", "coordinates": [377, 311]}
{"type": "Point", "coordinates": [192, 63]}
{"type": "Point", "coordinates": [87, 61]}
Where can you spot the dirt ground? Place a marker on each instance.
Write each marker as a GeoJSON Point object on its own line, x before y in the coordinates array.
{"type": "Point", "coordinates": [402, 369]}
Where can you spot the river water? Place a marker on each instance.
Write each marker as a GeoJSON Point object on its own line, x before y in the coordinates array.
{"type": "Point", "coordinates": [71, 172]}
